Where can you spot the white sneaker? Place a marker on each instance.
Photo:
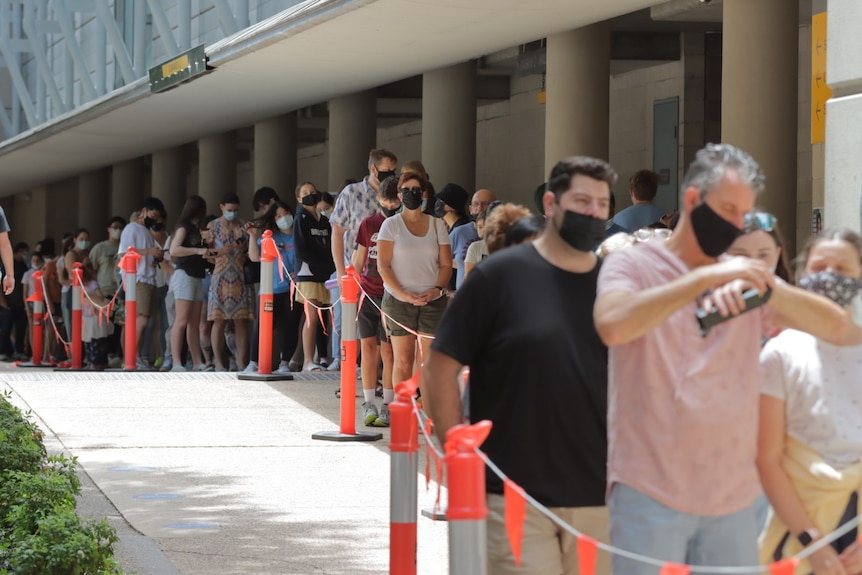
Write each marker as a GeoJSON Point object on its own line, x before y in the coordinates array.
{"type": "Point", "coordinates": [283, 367]}
{"type": "Point", "coordinates": [251, 367]}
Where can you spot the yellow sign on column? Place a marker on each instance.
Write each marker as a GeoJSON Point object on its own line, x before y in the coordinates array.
{"type": "Point", "coordinates": [820, 91]}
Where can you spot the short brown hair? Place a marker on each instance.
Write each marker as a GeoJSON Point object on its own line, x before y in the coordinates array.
{"type": "Point", "coordinates": [407, 176]}
{"type": "Point", "coordinates": [377, 155]}
{"type": "Point", "coordinates": [644, 184]}
{"type": "Point", "coordinates": [562, 173]}
{"type": "Point", "coordinates": [416, 167]}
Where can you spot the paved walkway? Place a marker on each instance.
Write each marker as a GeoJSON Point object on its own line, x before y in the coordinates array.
{"type": "Point", "coordinates": [206, 474]}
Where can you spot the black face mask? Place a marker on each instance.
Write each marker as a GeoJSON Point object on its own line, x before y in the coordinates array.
{"type": "Point", "coordinates": [152, 224]}
{"type": "Point", "coordinates": [381, 175]}
{"type": "Point", "coordinates": [581, 232]}
{"type": "Point", "coordinates": [389, 212]}
{"type": "Point", "coordinates": [411, 200]}
{"type": "Point", "coordinates": [439, 208]}
{"type": "Point", "coordinates": [311, 199]}
{"type": "Point", "coordinates": [714, 234]}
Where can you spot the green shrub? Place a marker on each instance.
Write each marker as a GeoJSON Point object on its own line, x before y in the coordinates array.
{"type": "Point", "coordinates": [40, 533]}
{"type": "Point", "coordinates": [21, 445]}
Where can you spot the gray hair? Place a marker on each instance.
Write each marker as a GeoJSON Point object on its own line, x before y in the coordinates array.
{"type": "Point", "coordinates": [712, 163]}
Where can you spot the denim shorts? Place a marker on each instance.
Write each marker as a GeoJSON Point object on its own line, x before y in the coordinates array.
{"type": "Point", "coordinates": [187, 288]}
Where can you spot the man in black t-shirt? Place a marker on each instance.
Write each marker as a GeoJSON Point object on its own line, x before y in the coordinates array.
{"type": "Point", "coordinates": [523, 323]}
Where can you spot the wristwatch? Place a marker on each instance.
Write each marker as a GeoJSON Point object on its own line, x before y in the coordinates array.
{"type": "Point", "coordinates": [442, 290]}
{"type": "Point", "coordinates": [806, 537]}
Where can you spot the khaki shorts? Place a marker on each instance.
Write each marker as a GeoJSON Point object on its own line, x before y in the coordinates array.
{"type": "Point", "coordinates": [546, 549]}
{"type": "Point", "coordinates": [145, 296]}
{"type": "Point", "coordinates": [312, 290]}
{"type": "Point", "coordinates": [419, 318]}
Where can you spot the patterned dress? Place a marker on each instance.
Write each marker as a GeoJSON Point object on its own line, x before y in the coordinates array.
{"type": "Point", "coordinates": [229, 297]}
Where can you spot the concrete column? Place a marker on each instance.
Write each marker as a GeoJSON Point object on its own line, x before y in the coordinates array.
{"type": "Point", "coordinates": [94, 203]}
{"type": "Point", "coordinates": [352, 134]}
{"type": "Point", "coordinates": [843, 116]}
{"type": "Point", "coordinates": [127, 187]}
{"type": "Point", "coordinates": [275, 155]}
{"type": "Point", "coordinates": [216, 168]}
{"type": "Point", "coordinates": [449, 124]}
{"type": "Point", "coordinates": [759, 97]}
{"type": "Point", "coordinates": [578, 94]}
{"type": "Point", "coordinates": [169, 180]}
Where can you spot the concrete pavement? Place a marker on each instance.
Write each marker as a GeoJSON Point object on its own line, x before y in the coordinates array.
{"type": "Point", "coordinates": [206, 474]}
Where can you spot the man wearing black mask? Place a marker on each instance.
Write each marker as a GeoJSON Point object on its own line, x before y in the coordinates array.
{"type": "Point", "coordinates": [139, 235]}
{"type": "Point", "coordinates": [682, 425]}
{"type": "Point", "coordinates": [522, 322]}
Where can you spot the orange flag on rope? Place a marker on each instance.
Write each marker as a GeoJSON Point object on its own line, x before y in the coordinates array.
{"type": "Point", "coordinates": [587, 551]}
{"type": "Point", "coordinates": [674, 569]}
{"type": "Point", "coordinates": [515, 514]}
{"type": "Point", "coordinates": [784, 567]}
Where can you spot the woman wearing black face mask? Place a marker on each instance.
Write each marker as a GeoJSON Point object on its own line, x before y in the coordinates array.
{"type": "Point", "coordinates": [414, 259]}
{"type": "Point", "coordinates": [810, 446]}
{"type": "Point", "coordinates": [312, 236]}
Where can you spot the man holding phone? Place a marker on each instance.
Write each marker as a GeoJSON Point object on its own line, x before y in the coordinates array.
{"type": "Point", "coordinates": [138, 235]}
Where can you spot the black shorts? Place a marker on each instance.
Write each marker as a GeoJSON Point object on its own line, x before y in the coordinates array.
{"type": "Point", "coordinates": [370, 321]}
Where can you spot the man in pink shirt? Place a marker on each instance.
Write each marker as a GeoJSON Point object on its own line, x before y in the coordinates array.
{"type": "Point", "coordinates": [682, 407]}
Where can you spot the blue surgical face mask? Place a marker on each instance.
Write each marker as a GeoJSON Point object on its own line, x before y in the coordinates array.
{"type": "Point", "coordinates": [82, 245]}
{"type": "Point", "coordinates": [229, 215]}
{"type": "Point", "coordinates": [325, 213]}
{"type": "Point", "coordinates": [424, 204]}
{"type": "Point", "coordinates": [284, 223]}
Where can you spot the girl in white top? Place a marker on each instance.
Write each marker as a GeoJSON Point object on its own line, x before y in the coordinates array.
{"type": "Point", "coordinates": [414, 258]}
{"type": "Point", "coordinates": [810, 437]}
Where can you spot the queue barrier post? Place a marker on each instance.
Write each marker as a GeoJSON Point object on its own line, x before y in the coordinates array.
{"type": "Point", "coordinates": [268, 257]}
{"type": "Point", "coordinates": [129, 265]}
{"type": "Point", "coordinates": [467, 509]}
{"type": "Point", "coordinates": [349, 347]}
{"type": "Point", "coordinates": [403, 478]}
{"type": "Point", "coordinates": [77, 318]}
{"type": "Point", "coordinates": [37, 298]}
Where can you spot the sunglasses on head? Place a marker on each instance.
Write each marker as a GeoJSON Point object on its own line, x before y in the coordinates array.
{"type": "Point", "coordinates": [414, 190]}
{"type": "Point", "coordinates": [759, 220]}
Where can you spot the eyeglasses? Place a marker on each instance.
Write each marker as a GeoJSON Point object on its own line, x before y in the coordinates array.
{"type": "Point", "coordinates": [760, 221]}
{"type": "Point", "coordinates": [482, 205]}
{"type": "Point", "coordinates": [414, 190]}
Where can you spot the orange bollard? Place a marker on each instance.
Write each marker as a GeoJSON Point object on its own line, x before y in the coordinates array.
{"type": "Point", "coordinates": [467, 509]}
{"type": "Point", "coordinates": [268, 257]}
{"type": "Point", "coordinates": [129, 265]}
{"type": "Point", "coordinates": [77, 319]}
{"type": "Point", "coordinates": [349, 344]}
{"type": "Point", "coordinates": [38, 299]}
{"type": "Point", "coordinates": [403, 478]}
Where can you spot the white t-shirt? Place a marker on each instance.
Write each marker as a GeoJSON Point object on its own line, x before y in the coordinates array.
{"type": "Point", "coordinates": [476, 252]}
{"type": "Point", "coordinates": [137, 236]}
{"type": "Point", "coordinates": [819, 382]}
{"type": "Point", "coordinates": [415, 260]}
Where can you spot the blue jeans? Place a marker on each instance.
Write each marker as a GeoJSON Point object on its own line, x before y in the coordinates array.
{"type": "Point", "coordinates": [642, 525]}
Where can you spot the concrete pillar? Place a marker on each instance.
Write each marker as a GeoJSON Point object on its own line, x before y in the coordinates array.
{"type": "Point", "coordinates": [275, 155]}
{"type": "Point", "coordinates": [578, 94]}
{"type": "Point", "coordinates": [127, 187]}
{"type": "Point", "coordinates": [217, 169]}
{"type": "Point", "coordinates": [449, 124]}
{"type": "Point", "coordinates": [759, 97]}
{"type": "Point", "coordinates": [169, 180]}
{"type": "Point", "coordinates": [843, 116]}
{"type": "Point", "coordinates": [352, 134]}
{"type": "Point", "coordinates": [94, 203]}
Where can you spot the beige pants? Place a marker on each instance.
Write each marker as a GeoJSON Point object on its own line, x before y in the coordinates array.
{"type": "Point", "coordinates": [546, 549]}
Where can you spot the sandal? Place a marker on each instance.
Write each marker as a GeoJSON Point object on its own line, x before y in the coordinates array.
{"type": "Point", "coordinates": [312, 367]}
